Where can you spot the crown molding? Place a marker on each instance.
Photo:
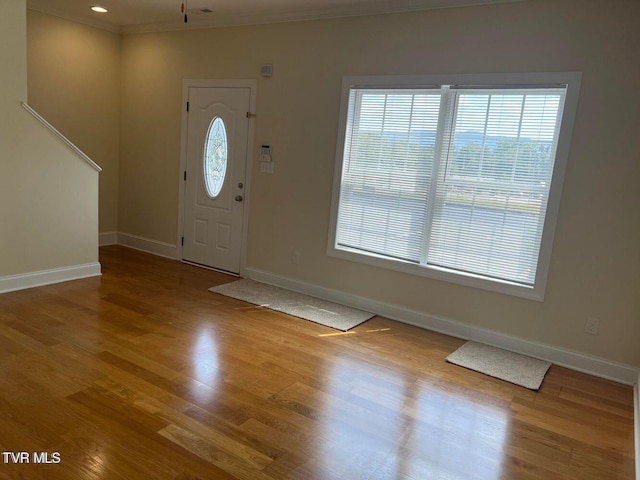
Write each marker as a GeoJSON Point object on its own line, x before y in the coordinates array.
{"type": "Point", "coordinates": [109, 27]}
{"type": "Point", "coordinates": [377, 8]}
{"type": "Point", "coordinates": [216, 20]}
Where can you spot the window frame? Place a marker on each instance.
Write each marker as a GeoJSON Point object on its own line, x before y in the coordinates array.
{"type": "Point", "coordinates": [510, 80]}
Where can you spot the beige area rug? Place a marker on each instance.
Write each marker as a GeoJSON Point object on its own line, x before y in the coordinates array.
{"type": "Point", "coordinates": [299, 305]}
{"type": "Point", "coordinates": [512, 367]}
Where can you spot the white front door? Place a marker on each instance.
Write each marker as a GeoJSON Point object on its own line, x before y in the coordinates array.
{"type": "Point", "coordinates": [217, 142]}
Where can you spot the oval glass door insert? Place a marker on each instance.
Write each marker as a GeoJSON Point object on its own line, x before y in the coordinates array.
{"type": "Point", "coordinates": [215, 157]}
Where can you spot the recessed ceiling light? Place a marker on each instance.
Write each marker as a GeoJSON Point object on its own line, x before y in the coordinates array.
{"type": "Point", "coordinates": [98, 9]}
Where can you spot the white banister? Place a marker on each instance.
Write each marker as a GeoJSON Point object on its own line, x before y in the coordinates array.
{"type": "Point", "coordinates": [76, 150]}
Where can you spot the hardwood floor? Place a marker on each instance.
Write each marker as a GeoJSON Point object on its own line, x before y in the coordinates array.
{"type": "Point", "coordinates": [144, 374]}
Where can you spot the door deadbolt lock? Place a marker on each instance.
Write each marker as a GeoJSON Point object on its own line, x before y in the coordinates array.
{"type": "Point", "coordinates": [241, 185]}
{"type": "Point", "coordinates": [238, 198]}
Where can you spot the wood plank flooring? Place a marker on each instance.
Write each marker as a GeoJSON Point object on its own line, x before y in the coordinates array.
{"type": "Point", "coordinates": [144, 374]}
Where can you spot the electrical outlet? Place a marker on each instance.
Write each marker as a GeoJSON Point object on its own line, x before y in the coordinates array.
{"type": "Point", "coordinates": [591, 326]}
{"type": "Point", "coordinates": [295, 258]}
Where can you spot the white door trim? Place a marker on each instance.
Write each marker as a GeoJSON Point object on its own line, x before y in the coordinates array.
{"type": "Point", "coordinates": [211, 83]}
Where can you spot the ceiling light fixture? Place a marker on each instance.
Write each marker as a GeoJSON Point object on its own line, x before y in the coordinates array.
{"type": "Point", "coordinates": [98, 9]}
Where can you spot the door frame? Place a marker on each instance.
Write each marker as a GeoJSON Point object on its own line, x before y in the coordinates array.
{"type": "Point", "coordinates": [216, 83]}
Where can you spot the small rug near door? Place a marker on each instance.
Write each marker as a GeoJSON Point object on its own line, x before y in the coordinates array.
{"type": "Point", "coordinates": [512, 367]}
{"type": "Point", "coordinates": [299, 305]}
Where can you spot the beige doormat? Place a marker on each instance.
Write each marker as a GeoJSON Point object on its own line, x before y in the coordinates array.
{"type": "Point", "coordinates": [512, 367]}
{"type": "Point", "coordinates": [299, 305]}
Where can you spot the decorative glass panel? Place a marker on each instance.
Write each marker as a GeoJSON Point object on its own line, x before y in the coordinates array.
{"type": "Point", "coordinates": [215, 157]}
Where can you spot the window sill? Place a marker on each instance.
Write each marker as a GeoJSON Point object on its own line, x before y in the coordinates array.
{"type": "Point", "coordinates": [442, 274]}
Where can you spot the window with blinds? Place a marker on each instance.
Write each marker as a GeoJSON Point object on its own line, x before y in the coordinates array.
{"type": "Point", "coordinates": [450, 178]}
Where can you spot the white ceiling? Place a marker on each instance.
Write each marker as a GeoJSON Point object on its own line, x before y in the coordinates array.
{"type": "Point", "coordinates": [131, 16]}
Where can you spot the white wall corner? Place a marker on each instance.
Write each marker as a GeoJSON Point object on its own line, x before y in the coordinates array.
{"type": "Point", "coordinates": [147, 245]}
{"type": "Point", "coordinates": [599, 367]}
{"type": "Point", "coordinates": [47, 277]}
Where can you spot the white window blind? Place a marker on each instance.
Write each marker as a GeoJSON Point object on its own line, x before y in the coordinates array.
{"type": "Point", "coordinates": [388, 165]}
{"type": "Point", "coordinates": [453, 178]}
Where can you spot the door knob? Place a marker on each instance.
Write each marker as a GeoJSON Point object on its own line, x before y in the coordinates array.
{"type": "Point", "coordinates": [238, 198]}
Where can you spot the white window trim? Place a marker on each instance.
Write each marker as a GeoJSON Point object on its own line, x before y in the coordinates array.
{"type": "Point", "coordinates": [537, 292]}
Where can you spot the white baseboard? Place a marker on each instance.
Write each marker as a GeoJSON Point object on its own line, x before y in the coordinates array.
{"type": "Point", "coordinates": [636, 425]}
{"type": "Point", "coordinates": [47, 277]}
{"type": "Point", "coordinates": [147, 245]}
{"type": "Point", "coordinates": [108, 238]}
{"type": "Point", "coordinates": [599, 367]}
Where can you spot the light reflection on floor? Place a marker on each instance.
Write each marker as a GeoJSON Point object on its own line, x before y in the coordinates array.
{"type": "Point", "coordinates": [205, 365]}
{"type": "Point", "coordinates": [452, 434]}
{"type": "Point", "coordinates": [417, 430]}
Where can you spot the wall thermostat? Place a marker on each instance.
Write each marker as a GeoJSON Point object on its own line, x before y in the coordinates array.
{"type": "Point", "coordinates": [265, 153]}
